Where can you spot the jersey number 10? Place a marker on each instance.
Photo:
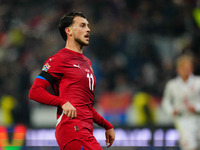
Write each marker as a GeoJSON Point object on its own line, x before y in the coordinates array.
{"type": "Point", "coordinates": [91, 81]}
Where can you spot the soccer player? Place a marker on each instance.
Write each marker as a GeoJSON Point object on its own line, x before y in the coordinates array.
{"type": "Point", "coordinates": [182, 101]}
{"type": "Point", "coordinates": [70, 74]}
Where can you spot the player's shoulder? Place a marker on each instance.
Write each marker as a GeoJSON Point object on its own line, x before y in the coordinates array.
{"type": "Point", "coordinates": [172, 81]}
{"type": "Point", "coordinates": [196, 78]}
{"type": "Point", "coordinates": [61, 55]}
{"type": "Point", "coordinates": [88, 60]}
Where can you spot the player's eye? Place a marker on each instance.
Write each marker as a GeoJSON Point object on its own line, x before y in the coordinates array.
{"type": "Point", "coordinates": [82, 24]}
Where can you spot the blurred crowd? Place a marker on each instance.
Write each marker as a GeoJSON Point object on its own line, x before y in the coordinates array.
{"type": "Point", "coordinates": [133, 43]}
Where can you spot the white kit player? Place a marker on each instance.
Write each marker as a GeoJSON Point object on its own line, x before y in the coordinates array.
{"type": "Point", "coordinates": [181, 100]}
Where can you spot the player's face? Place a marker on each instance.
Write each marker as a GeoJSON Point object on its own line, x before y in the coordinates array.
{"type": "Point", "coordinates": [184, 69]}
{"type": "Point", "coordinates": [80, 31]}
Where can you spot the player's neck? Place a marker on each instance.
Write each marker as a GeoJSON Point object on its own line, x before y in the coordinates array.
{"type": "Point", "coordinates": [185, 79]}
{"type": "Point", "coordinates": [74, 47]}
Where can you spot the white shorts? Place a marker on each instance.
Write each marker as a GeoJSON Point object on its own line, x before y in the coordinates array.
{"type": "Point", "coordinates": [189, 130]}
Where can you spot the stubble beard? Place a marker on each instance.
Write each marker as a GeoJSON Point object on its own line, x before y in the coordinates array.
{"type": "Point", "coordinates": [79, 41]}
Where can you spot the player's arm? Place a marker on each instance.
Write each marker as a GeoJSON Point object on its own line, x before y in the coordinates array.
{"type": "Point", "coordinates": [39, 93]}
{"type": "Point", "coordinates": [109, 133]}
{"type": "Point", "coordinates": [167, 101]}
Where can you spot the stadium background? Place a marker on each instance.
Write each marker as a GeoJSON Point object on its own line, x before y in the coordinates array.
{"type": "Point", "coordinates": [133, 47]}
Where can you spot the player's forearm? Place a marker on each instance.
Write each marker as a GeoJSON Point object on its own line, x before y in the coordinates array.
{"type": "Point", "coordinates": [38, 93]}
{"type": "Point", "coordinates": [98, 119]}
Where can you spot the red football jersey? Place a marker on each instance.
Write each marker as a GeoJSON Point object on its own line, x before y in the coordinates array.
{"type": "Point", "coordinates": [76, 83]}
{"type": "Point", "coordinates": [74, 75]}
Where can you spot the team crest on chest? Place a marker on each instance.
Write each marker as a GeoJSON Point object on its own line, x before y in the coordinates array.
{"type": "Point", "coordinates": [192, 88]}
{"type": "Point", "coordinates": [87, 70]}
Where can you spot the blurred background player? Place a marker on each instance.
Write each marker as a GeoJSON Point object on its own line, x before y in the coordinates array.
{"type": "Point", "coordinates": [182, 101]}
{"type": "Point", "coordinates": [72, 77]}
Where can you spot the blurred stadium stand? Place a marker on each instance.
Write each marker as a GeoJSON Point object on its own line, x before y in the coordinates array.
{"type": "Point", "coordinates": [133, 47]}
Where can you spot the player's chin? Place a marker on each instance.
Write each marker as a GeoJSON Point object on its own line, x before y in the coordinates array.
{"type": "Point", "coordinates": [85, 43]}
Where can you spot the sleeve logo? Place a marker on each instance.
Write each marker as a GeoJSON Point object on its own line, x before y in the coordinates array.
{"type": "Point", "coordinates": [46, 67]}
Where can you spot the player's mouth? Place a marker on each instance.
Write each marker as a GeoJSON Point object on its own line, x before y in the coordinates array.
{"type": "Point", "coordinates": [87, 37]}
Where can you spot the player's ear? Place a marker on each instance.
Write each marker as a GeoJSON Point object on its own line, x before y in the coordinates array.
{"type": "Point", "coordinates": [68, 31]}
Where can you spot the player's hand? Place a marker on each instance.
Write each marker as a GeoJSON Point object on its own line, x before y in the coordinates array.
{"type": "Point", "coordinates": [110, 137]}
{"type": "Point", "coordinates": [69, 110]}
{"type": "Point", "coordinates": [191, 109]}
{"type": "Point", "coordinates": [175, 112]}
{"type": "Point", "coordinates": [189, 106]}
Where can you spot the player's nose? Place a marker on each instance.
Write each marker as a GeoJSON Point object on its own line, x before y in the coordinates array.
{"type": "Point", "coordinates": [88, 29]}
